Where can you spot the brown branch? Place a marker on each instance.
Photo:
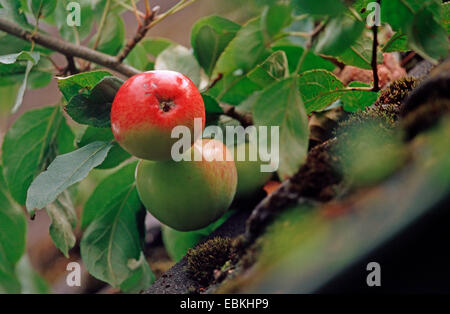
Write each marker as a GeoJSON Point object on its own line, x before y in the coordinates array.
{"type": "Point", "coordinates": [376, 80]}
{"type": "Point", "coordinates": [142, 30]}
{"type": "Point", "coordinates": [244, 119]}
{"type": "Point", "coordinates": [71, 67]}
{"type": "Point", "coordinates": [67, 48]}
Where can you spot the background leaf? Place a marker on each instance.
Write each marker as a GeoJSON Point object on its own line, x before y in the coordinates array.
{"type": "Point", "coordinates": [280, 105]}
{"type": "Point", "coordinates": [180, 59]}
{"type": "Point", "coordinates": [63, 172]}
{"type": "Point", "coordinates": [28, 147]}
{"type": "Point", "coordinates": [275, 18]}
{"type": "Point", "coordinates": [12, 239]}
{"type": "Point", "coordinates": [113, 37]}
{"type": "Point", "coordinates": [323, 7]}
{"type": "Point", "coordinates": [360, 53]}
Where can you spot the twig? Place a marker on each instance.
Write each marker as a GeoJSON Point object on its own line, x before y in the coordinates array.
{"type": "Point", "coordinates": [128, 7]}
{"type": "Point", "coordinates": [309, 44]}
{"type": "Point", "coordinates": [67, 48]}
{"type": "Point", "coordinates": [376, 80]}
{"type": "Point", "coordinates": [71, 67]}
{"type": "Point", "coordinates": [177, 7]}
{"type": "Point", "coordinates": [102, 24]}
{"type": "Point", "coordinates": [142, 30]}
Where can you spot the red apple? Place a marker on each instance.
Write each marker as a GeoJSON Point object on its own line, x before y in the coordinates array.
{"type": "Point", "coordinates": [148, 106]}
{"type": "Point", "coordinates": [189, 195]}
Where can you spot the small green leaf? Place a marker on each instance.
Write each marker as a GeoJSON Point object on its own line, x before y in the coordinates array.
{"type": "Point", "coordinates": [111, 245]}
{"type": "Point", "coordinates": [63, 172]}
{"type": "Point", "coordinates": [398, 42]}
{"type": "Point", "coordinates": [275, 67]}
{"type": "Point", "coordinates": [180, 59]}
{"type": "Point", "coordinates": [94, 107]}
{"type": "Point", "coordinates": [28, 147]}
{"type": "Point", "coordinates": [80, 83]}
{"type": "Point", "coordinates": [280, 105]}
{"type": "Point", "coordinates": [446, 16]}
{"type": "Point", "coordinates": [138, 58]}
{"type": "Point", "coordinates": [209, 37]}
{"type": "Point", "coordinates": [323, 7]}
{"type": "Point", "coordinates": [115, 156]}
{"type": "Point", "coordinates": [360, 53]}
{"type": "Point", "coordinates": [293, 54]}
{"type": "Point", "coordinates": [356, 100]}
{"type": "Point", "coordinates": [21, 56]}
{"type": "Point", "coordinates": [177, 243]}
{"type": "Point", "coordinates": [319, 89]}
{"type": "Point", "coordinates": [64, 220]}
{"type": "Point", "coordinates": [341, 32]}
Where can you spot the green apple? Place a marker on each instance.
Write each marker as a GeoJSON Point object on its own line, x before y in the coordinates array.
{"type": "Point", "coordinates": [189, 195]}
{"type": "Point", "coordinates": [250, 177]}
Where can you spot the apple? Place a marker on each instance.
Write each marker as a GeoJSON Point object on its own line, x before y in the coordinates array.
{"type": "Point", "coordinates": [189, 195]}
{"type": "Point", "coordinates": [148, 106]}
{"type": "Point", "coordinates": [250, 177]}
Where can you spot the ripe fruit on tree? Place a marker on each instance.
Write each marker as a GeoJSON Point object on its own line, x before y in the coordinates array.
{"type": "Point", "coordinates": [250, 177]}
{"type": "Point", "coordinates": [189, 195]}
{"type": "Point", "coordinates": [148, 106]}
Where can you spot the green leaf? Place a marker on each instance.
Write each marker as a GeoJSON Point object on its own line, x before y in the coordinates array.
{"type": "Point", "coordinates": [398, 42]}
{"type": "Point", "coordinates": [211, 105]}
{"type": "Point", "coordinates": [94, 107]}
{"type": "Point", "coordinates": [64, 219]}
{"type": "Point", "coordinates": [140, 279]}
{"type": "Point", "coordinates": [138, 59]}
{"type": "Point", "coordinates": [360, 54]}
{"type": "Point", "coordinates": [154, 46]}
{"type": "Point", "coordinates": [31, 282]}
{"type": "Point", "coordinates": [340, 33]}
{"type": "Point", "coordinates": [209, 37]}
{"type": "Point", "coordinates": [177, 243]}
{"type": "Point", "coordinates": [31, 58]}
{"type": "Point", "coordinates": [275, 67]}
{"type": "Point", "coordinates": [115, 156]}
{"type": "Point", "coordinates": [358, 100]}
{"type": "Point", "coordinates": [275, 18]}
{"type": "Point", "coordinates": [21, 56]}
{"type": "Point", "coordinates": [293, 54]}
{"type": "Point", "coordinates": [180, 59]}
{"type": "Point", "coordinates": [323, 7]}
{"type": "Point", "coordinates": [12, 239]}
{"type": "Point", "coordinates": [399, 14]}
{"type": "Point", "coordinates": [74, 33]}
{"type": "Point", "coordinates": [11, 9]}
{"type": "Point", "coordinates": [116, 183]}
{"type": "Point", "coordinates": [319, 89]}
{"type": "Point", "coordinates": [280, 105]}
{"type": "Point", "coordinates": [79, 83]}
{"type": "Point", "coordinates": [111, 244]}
{"type": "Point", "coordinates": [41, 8]}
{"type": "Point", "coordinates": [244, 52]}
{"type": "Point", "coordinates": [427, 37]}
{"type": "Point", "coordinates": [63, 172]}
{"type": "Point", "coordinates": [28, 147]}
{"type": "Point", "coordinates": [113, 37]}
